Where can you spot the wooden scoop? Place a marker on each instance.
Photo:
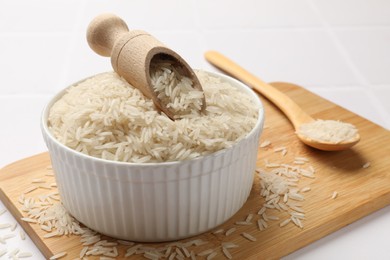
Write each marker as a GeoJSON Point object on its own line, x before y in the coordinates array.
{"type": "Point", "coordinates": [133, 52]}
{"type": "Point", "coordinates": [294, 113]}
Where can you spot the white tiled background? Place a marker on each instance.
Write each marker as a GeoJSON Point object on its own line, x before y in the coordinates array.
{"type": "Point", "coordinates": [337, 49]}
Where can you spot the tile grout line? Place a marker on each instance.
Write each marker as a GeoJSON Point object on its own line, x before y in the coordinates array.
{"type": "Point", "coordinates": [338, 45]}
{"type": "Point", "coordinates": [72, 44]}
{"type": "Point", "coordinates": [362, 80]}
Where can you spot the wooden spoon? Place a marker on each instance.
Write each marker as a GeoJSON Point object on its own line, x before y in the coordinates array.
{"type": "Point", "coordinates": [133, 52]}
{"type": "Point", "coordinates": [293, 112]}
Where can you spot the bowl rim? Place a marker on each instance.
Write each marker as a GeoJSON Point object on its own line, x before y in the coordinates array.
{"type": "Point", "coordinates": [56, 97]}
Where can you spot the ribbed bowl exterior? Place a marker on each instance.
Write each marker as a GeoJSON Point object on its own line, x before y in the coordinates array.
{"type": "Point", "coordinates": [154, 202]}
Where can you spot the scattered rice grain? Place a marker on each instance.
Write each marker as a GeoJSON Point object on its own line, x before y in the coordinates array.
{"type": "Point", "coordinates": [297, 222]}
{"type": "Point", "coordinates": [8, 236]}
{"type": "Point", "coordinates": [249, 218]}
{"type": "Point", "coordinates": [3, 211]}
{"type": "Point", "coordinates": [265, 144]}
{"type": "Point", "coordinates": [226, 252]}
{"type": "Point", "coordinates": [5, 225]}
{"type": "Point", "coordinates": [83, 251]}
{"type": "Point", "coordinates": [260, 225]}
{"type": "Point", "coordinates": [279, 149]}
{"type": "Point", "coordinates": [58, 256]}
{"type": "Point", "coordinates": [219, 231]}
{"type": "Point", "coordinates": [125, 243]}
{"type": "Point", "coordinates": [262, 210]}
{"type": "Point", "coordinates": [366, 165]}
{"type": "Point", "coordinates": [211, 256]}
{"type": "Point", "coordinates": [272, 217]}
{"type": "Point", "coordinates": [305, 159]}
{"type": "Point", "coordinates": [206, 252]}
{"type": "Point", "coordinates": [285, 222]}
{"type": "Point", "coordinates": [243, 223]}
{"type": "Point", "coordinates": [230, 231]}
{"type": "Point", "coordinates": [14, 226]}
{"type": "Point", "coordinates": [228, 245]}
{"type": "Point", "coordinates": [248, 236]}
{"type": "Point", "coordinates": [24, 255]}
{"type": "Point", "coordinates": [186, 252]}
{"type": "Point", "coordinates": [22, 235]}
{"type": "Point", "coordinates": [32, 188]}
{"type": "Point", "coordinates": [13, 252]}
{"type": "Point", "coordinates": [192, 255]}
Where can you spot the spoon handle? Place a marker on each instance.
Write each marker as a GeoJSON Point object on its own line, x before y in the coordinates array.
{"type": "Point", "coordinates": [293, 112]}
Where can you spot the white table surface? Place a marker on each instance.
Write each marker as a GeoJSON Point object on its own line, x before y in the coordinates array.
{"type": "Point", "coordinates": [337, 49]}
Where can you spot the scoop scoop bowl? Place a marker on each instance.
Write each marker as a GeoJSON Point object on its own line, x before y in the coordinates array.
{"type": "Point", "coordinates": [132, 52]}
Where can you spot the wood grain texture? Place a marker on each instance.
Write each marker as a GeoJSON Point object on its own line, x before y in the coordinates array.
{"type": "Point", "coordinates": [360, 191]}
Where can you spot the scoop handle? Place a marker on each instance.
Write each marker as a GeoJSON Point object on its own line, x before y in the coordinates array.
{"type": "Point", "coordinates": [103, 31]}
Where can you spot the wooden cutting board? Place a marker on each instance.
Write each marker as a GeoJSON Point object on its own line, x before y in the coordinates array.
{"type": "Point", "coordinates": [361, 191]}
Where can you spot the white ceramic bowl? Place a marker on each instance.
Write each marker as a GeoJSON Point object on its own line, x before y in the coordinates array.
{"type": "Point", "coordinates": [154, 202]}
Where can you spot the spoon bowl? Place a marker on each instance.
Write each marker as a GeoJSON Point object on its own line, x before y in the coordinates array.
{"type": "Point", "coordinates": [328, 146]}
{"type": "Point", "coordinates": [294, 113]}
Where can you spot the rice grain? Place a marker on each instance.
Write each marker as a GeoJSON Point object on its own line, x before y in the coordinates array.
{"type": "Point", "coordinates": [58, 256]}
{"type": "Point", "coordinates": [24, 255]}
{"type": "Point", "coordinates": [248, 236]}
{"type": "Point", "coordinates": [285, 222]}
{"type": "Point", "coordinates": [226, 252]}
{"type": "Point", "coordinates": [366, 165]}
{"type": "Point", "coordinates": [230, 231]}
{"type": "Point", "coordinates": [123, 125]}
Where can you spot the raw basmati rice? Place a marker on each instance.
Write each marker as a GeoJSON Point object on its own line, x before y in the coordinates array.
{"type": "Point", "coordinates": [206, 252]}
{"type": "Point", "coordinates": [226, 253]}
{"type": "Point", "coordinates": [230, 231]}
{"type": "Point", "coordinates": [14, 226]}
{"type": "Point", "coordinates": [297, 222]}
{"type": "Point", "coordinates": [265, 144]}
{"type": "Point", "coordinates": [175, 91]}
{"type": "Point", "coordinates": [24, 255]}
{"type": "Point", "coordinates": [5, 225]}
{"type": "Point", "coordinates": [248, 236]}
{"type": "Point", "coordinates": [243, 223]}
{"type": "Point", "coordinates": [328, 130]}
{"type": "Point", "coordinates": [105, 117]}
{"type": "Point", "coordinates": [285, 222]}
{"type": "Point", "coordinates": [211, 256]}
{"type": "Point", "coordinates": [366, 165]}
{"type": "Point", "coordinates": [218, 231]}
{"type": "Point", "coordinates": [22, 235]}
{"type": "Point", "coordinates": [249, 218]}
{"type": "Point", "coordinates": [228, 245]}
{"type": "Point", "coordinates": [3, 211]}
{"type": "Point", "coordinates": [58, 256]}
{"type": "Point", "coordinates": [13, 253]}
